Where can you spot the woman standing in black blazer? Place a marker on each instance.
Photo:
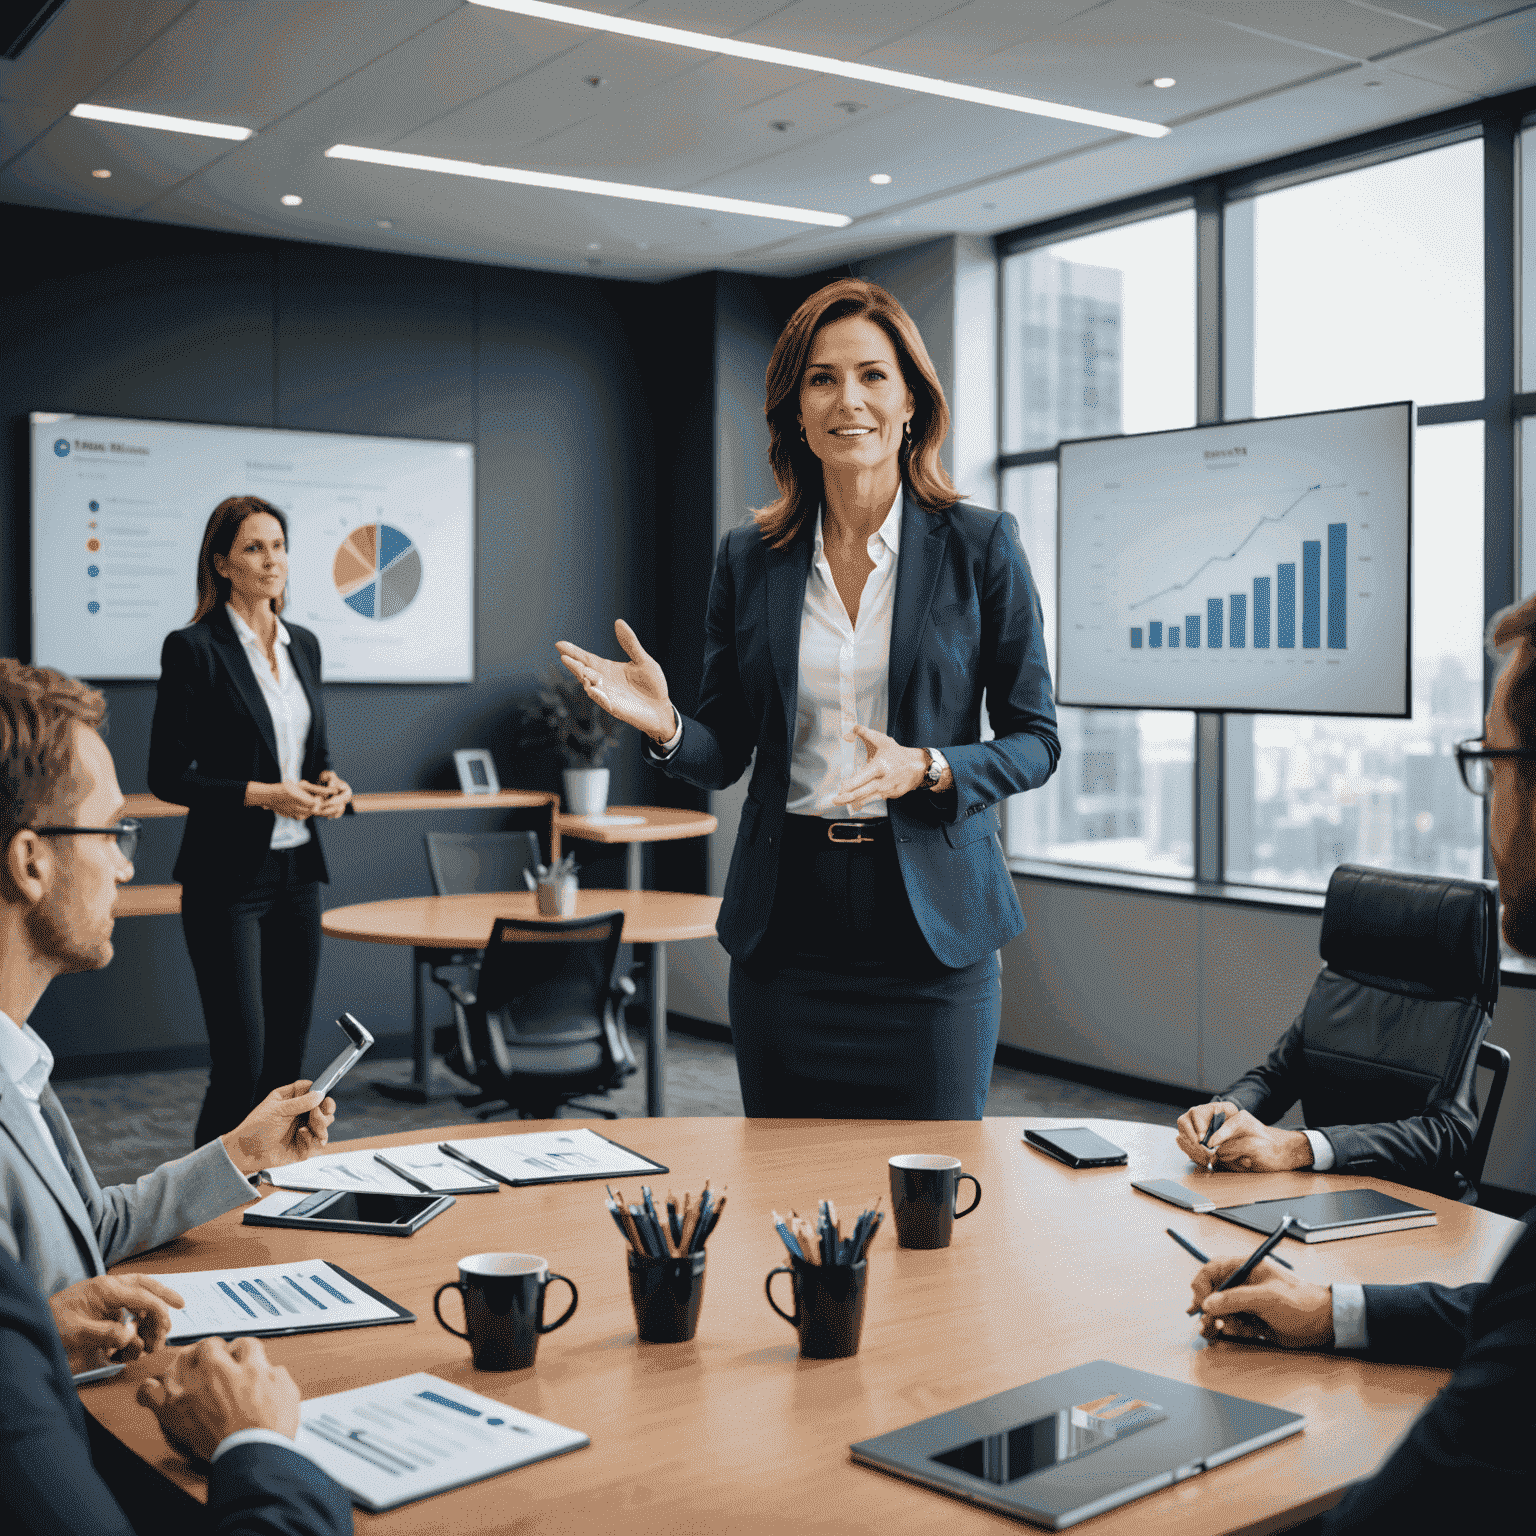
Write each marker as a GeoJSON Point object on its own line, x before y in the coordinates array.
{"type": "Point", "coordinates": [239, 739]}
{"type": "Point", "coordinates": [855, 629]}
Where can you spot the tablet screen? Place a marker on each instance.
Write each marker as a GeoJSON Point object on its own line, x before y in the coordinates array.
{"type": "Point", "coordinates": [378, 1210]}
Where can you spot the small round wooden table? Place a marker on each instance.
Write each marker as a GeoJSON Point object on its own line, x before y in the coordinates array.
{"type": "Point", "coordinates": [636, 825]}
{"type": "Point", "coordinates": [432, 924]}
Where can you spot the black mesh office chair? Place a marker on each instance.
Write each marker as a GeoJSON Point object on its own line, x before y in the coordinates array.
{"type": "Point", "coordinates": [1385, 1053]}
{"type": "Point", "coordinates": [461, 864]}
{"type": "Point", "coordinates": [545, 1022]}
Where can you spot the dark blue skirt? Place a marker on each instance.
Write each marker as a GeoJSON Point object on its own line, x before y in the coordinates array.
{"type": "Point", "coordinates": [843, 1012]}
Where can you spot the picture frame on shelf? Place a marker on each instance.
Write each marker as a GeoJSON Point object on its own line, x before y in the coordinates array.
{"type": "Point", "coordinates": [477, 773]}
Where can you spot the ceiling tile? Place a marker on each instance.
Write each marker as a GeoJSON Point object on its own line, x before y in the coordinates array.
{"type": "Point", "coordinates": [233, 62]}
{"type": "Point", "coordinates": [20, 124]}
{"type": "Point", "coordinates": [81, 47]}
{"type": "Point", "coordinates": [1360, 32]}
{"type": "Point", "coordinates": [843, 29]}
{"type": "Point", "coordinates": [1482, 61]}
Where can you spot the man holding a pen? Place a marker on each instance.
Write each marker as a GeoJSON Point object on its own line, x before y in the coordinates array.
{"type": "Point", "coordinates": [1471, 1448]}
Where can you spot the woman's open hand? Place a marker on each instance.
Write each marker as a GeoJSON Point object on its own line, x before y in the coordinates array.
{"type": "Point", "coordinates": [634, 691]}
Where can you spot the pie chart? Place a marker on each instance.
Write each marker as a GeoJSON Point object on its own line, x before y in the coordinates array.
{"type": "Point", "coordinates": [377, 571]}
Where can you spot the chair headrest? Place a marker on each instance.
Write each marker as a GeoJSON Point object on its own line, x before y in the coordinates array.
{"type": "Point", "coordinates": [1420, 935]}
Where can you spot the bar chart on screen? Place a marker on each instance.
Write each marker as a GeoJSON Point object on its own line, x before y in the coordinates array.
{"type": "Point", "coordinates": [1257, 566]}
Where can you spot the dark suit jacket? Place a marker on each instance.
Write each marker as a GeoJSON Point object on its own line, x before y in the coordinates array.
{"type": "Point", "coordinates": [966, 625]}
{"type": "Point", "coordinates": [212, 735]}
{"type": "Point", "coordinates": [47, 1481]}
{"type": "Point", "coordinates": [1468, 1457]}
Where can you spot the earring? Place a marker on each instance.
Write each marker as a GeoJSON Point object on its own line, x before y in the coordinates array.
{"type": "Point", "coordinates": [906, 432]}
{"type": "Point", "coordinates": [803, 438]}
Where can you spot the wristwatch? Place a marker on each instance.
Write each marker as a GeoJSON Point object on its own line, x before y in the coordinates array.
{"type": "Point", "coordinates": [936, 767]}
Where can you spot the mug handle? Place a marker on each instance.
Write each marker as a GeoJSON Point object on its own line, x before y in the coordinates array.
{"type": "Point", "coordinates": [974, 1203]}
{"type": "Point", "coordinates": [565, 1316]}
{"type": "Point", "coordinates": [450, 1285]}
{"type": "Point", "coordinates": [794, 1322]}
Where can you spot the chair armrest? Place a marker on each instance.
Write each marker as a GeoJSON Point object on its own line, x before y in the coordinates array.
{"type": "Point", "coordinates": [461, 995]}
{"type": "Point", "coordinates": [624, 988]}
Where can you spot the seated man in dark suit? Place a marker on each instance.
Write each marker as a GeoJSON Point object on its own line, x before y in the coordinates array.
{"type": "Point", "coordinates": [1468, 1455]}
{"type": "Point", "coordinates": [223, 1405]}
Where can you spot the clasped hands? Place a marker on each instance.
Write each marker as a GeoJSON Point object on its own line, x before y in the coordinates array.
{"type": "Point", "coordinates": [300, 799]}
{"type": "Point", "coordinates": [1243, 1143]}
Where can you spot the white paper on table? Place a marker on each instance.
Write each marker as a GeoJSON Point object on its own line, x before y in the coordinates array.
{"type": "Point", "coordinates": [341, 1170]}
{"type": "Point", "coordinates": [270, 1298]}
{"type": "Point", "coordinates": [605, 820]}
{"type": "Point", "coordinates": [539, 1156]}
{"type": "Point", "coordinates": [438, 1173]}
{"type": "Point", "coordinates": [419, 1435]}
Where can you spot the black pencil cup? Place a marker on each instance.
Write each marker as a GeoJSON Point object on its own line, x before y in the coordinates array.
{"type": "Point", "coordinates": [667, 1294]}
{"type": "Point", "coordinates": [829, 1307]}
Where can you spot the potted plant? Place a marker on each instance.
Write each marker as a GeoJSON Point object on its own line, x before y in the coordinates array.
{"type": "Point", "coordinates": [563, 717]}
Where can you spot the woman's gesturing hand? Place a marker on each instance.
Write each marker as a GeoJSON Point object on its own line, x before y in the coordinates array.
{"type": "Point", "coordinates": [287, 799]}
{"type": "Point", "coordinates": [634, 691]}
{"type": "Point", "coordinates": [890, 771]}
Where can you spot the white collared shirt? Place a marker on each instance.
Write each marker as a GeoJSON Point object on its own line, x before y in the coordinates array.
{"type": "Point", "coordinates": [844, 673]}
{"type": "Point", "coordinates": [27, 1062]}
{"type": "Point", "coordinates": [289, 707]}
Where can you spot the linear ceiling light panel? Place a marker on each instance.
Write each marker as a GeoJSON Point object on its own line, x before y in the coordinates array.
{"type": "Point", "coordinates": [583, 184]}
{"type": "Point", "coordinates": [159, 120]}
{"type": "Point", "coordinates": [817, 64]}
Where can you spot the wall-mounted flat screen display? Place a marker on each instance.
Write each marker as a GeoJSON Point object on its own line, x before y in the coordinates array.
{"type": "Point", "coordinates": [381, 542]}
{"type": "Point", "coordinates": [1254, 566]}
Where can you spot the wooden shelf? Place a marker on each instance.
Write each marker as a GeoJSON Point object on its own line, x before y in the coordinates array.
{"type": "Point", "coordinates": [147, 807]}
{"type": "Point", "coordinates": [147, 901]}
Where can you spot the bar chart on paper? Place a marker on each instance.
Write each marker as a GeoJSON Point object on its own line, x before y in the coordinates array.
{"type": "Point", "coordinates": [1261, 566]}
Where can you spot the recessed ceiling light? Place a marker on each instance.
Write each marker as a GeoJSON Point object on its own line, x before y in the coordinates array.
{"type": "Point", "coordinates": [880, 179]}
{"type": "Point", "coordinates": [593, 245]}
{"type": "Point", "coordinates": [159, 120]}
{"type": "Point", "coordinates": [384, 223]}
{"type": "Point", "coordinates": [583, 184]}
{"type": "Point", "coordinates": [818, 64]}
{"type": "Point", "coordinates": [291, 200]}
{"type": "Point", "coordinates": [102, 175]}
{"type": "Point", "coordinates": [1373, 85]}
{"type": "Point", "coordinates": [1164, 81]}
{"type": "Point", "coordinates": [781, 125]}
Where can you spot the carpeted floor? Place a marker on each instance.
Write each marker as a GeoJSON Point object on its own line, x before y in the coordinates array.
{"type": "Point", "coordinates": [128, 1125]}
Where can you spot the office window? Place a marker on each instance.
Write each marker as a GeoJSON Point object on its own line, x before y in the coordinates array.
{"type": "Point", "coordinates": [1368, 286]}
{"type": "Point", "coordinates": [1305, 793]}
{"type": "Point", "coordinates": [1527, 239]}
{"type": "Point", "coordinates": [1099, 338]}
{"type": "Point", "coordinates": [1122, 795]}
{"type": "Point", "coordinates": [1099, 334]}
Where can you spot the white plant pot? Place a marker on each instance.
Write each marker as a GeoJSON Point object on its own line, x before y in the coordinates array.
{"type": "Point", "coordinates": [586, 791]}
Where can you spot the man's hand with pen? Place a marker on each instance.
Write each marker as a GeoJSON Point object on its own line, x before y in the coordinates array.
{"type": "Point", "coordinates": [1222, 1135]}
{"type": "Point", "coordinates": [1273, 1306]}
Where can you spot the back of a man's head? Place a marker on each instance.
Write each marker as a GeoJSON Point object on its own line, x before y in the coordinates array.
{"type": "Point", "coordinates": [40, 778]}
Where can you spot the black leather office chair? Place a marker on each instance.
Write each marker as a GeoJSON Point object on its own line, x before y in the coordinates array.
{"type": "Point", "coordinates": [1385, 1052]}
{"type": "Point", "coordinates": [462, 863]}
{"type": "Point", "coordinates": [546, 1019]}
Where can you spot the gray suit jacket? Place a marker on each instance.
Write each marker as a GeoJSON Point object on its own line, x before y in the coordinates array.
{"type": "Point", "coordinates": [61, 1233]}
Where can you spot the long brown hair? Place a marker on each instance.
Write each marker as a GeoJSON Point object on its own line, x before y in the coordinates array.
{"type": "Point", "coordinates": [796, 469]}
{"type": "Point", "coordinates": [218, 539]}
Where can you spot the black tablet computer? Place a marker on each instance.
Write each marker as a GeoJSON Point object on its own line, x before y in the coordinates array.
{"type": "Point", "coordinates": [1077, 1147]}
{"type": "Point", "coordinates": [347, 1210]}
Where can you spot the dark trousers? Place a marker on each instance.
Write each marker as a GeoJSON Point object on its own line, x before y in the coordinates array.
{"type": "Point", "coordinates": [843, 1011]}
{"type": "Point", "coordinates": [256, 957]}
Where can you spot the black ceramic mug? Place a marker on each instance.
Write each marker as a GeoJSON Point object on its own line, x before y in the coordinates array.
{"type": "Point", "coordinates": [667, 1294]}
{"type": "Point", "coordinates": [829, 1306]}
{"type": "Point", "coordinates": [503, 1307]}
{"type": "Point", "coordinates": [924, 1188]}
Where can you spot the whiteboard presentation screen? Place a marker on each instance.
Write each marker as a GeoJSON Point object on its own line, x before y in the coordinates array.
{"type": "Point", "coordinates": [381, 543]}
{"type": "Point", "coordinates": [1255, 566]}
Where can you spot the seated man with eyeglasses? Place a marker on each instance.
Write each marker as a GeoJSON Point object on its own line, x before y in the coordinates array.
{"type": "Point", "coordinates": [64, 850]}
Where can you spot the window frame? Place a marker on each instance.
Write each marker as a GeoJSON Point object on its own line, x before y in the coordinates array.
{"type": "Point", "coordinates": [1502, 408]}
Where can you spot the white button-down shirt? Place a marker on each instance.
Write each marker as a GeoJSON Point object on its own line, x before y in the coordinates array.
{"type": "Point", "coordinates": [844, 672]}
{"type": "Point", "coordinates": [26, 1062]}
{"type": "Point", "coordinates": [288, 705]}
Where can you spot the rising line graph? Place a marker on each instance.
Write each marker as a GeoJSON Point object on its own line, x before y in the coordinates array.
{"type": "Point", "coordinates": [1179, 586]}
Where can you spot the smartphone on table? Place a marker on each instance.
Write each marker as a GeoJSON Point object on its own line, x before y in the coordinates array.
{"type": "Point", "coordinates": [358, 1041]}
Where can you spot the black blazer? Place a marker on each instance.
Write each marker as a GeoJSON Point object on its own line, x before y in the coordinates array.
{"type": "Point", "coordinates": [47, 1481]}
{"type": "Point", "coordinates": [212, 735]}
{"type": "Point", "coordinates": [966, 626]}
{"type": "Point", "coordinates": [1467, 1458]}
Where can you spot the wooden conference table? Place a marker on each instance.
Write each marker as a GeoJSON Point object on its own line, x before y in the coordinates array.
{"type": "Point", "coordinates": [432, 925]}
{"type": "Point", "coordinates": [733, 1432]}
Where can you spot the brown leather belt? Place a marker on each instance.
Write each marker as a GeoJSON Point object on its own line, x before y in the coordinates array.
{"type": "Point", "coordinates": [859, 830]}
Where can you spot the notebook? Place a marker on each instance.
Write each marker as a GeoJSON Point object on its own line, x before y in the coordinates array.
{"type": "Point", "coordinates": [1076, 1444]}
{"type": "Point", "coordinates": [1326, 1218]}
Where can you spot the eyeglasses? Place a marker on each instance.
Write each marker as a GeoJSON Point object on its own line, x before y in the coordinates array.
{"type": "Point", "coordinates": [1473, 758]}
{"type": "Point", "coordinates": [126, 833]}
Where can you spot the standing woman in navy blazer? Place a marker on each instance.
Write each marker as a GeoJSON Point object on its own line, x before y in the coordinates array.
{"type": "Point", "coordinates": [855, 629]}
{"type": "Point", "coordinates": [239, 739]}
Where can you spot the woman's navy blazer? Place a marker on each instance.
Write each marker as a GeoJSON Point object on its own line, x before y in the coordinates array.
{"type": "Point", "coordinates": [212, 735]}
{"type": "Point", "coordinates": [966, 627]}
